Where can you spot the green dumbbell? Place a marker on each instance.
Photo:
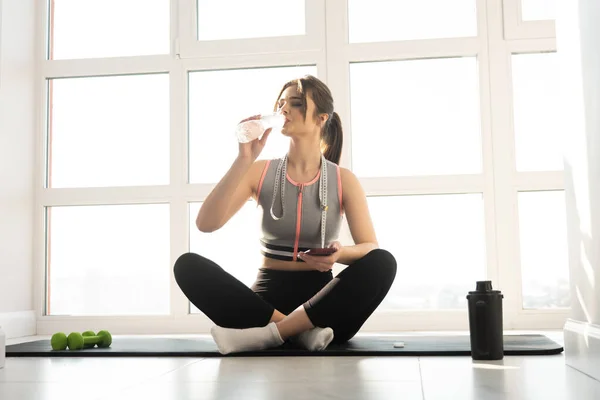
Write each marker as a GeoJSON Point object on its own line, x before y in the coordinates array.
{"type": "Point", "coordinates": [59, 341]}
{"type": "Point", "coordinates": [77, 341]}
{"type": "Point", "coordinates": [88, 333]}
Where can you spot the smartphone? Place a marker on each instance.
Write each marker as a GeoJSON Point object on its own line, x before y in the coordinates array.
{"type": "Point", "coordinates": [321, 251]}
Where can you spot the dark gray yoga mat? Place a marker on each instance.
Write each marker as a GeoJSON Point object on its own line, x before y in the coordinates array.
{"type": "Point", "coordinates": [358, 346]}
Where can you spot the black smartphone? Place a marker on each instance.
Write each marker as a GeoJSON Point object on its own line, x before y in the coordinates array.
{"type": "Point", "coordinates": [326, 251]}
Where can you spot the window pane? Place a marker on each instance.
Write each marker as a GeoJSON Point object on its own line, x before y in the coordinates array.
{"type": "Point", "coordinates": [544, 251]}
{"type": "Point", "coordinates": [535, 10]}
{"type": "Point", "coordinates": [233, 19]}
{"type": "Point", "coordinates": [109, 260]}
{"type": "Point", "coordinates": [536, 112]}
{"type": "Point", "coordinates": [422, 116]}
{"type": "Point", "coordinates": [109, 131]}
{"type": "Point", "coordinates": [235, 247]}
{"type": "Point", "coordinates": [439, 244]}
{"type": "Point", "coordinates": [78, 28]}
{"type": "Point", "coordinates": [218, 101]}
{"type": "Point", "coordinates": [385, 20]}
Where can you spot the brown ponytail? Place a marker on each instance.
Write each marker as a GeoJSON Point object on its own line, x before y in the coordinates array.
{"type": "Point", "coordinates": [333, 139]}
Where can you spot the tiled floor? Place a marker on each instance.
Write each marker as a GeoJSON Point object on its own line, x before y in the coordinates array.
{"type": "Point", "coordinates": [291, 378]}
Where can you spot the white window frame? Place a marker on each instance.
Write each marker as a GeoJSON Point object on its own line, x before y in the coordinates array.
{"type": "Point", "coordinates": [188, 46]}
{"type": "Point", "coordinates": [326, 46]}
{"type": "Point", "coordinates": [516, 28]}
{"type": "Point", "coordinates": [509, 181]}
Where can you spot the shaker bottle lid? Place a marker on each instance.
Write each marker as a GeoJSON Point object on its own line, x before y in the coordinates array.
{"type": "Point", "coordinates": [484, 287]}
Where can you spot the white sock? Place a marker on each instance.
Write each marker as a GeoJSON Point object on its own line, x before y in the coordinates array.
{"type": "Point", "coordinates": [315, 339]}
{"type": "Point", "coordinates": [236, 340]}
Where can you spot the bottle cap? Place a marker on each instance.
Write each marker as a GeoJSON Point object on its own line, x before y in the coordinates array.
{"type": "Point", "coordinates": [484, 288]}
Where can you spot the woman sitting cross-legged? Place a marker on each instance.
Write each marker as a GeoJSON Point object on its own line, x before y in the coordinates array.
{"type": "Point", "coordinates": [302, 197]}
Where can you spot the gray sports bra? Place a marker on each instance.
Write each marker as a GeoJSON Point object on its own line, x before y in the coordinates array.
{"type": "Point", "coordinates": [298, 216]}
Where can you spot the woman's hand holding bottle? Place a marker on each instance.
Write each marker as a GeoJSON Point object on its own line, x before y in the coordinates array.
{"type": "Point", "coordinates": [248, 133]}
{"type": "Point", "coordinates": [252, 135]}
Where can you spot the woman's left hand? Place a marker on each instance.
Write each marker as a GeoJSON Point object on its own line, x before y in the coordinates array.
{"type": "Point", "coordinates": [322, 263]}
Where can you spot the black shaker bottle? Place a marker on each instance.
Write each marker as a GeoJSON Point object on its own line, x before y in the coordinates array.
{"type": "Point", "coordinates": [485, 322]}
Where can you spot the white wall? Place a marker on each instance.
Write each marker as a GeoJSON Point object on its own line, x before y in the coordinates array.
{"type": "Point", "coordinates": [579, 48]}
{"type": "Point", "coordinates": [578, 41]}
{"type": "Point", "coordinates": [17, 121]}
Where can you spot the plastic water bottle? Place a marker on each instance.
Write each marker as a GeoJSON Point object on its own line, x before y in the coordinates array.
{"type": "Point", "coordinates": [2, 348]}
{"type": "Point", "coordinates": [253, 129]}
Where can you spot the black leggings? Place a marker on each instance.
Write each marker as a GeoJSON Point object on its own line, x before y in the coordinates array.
{"type": "Point", "coordinates": [343, 303]}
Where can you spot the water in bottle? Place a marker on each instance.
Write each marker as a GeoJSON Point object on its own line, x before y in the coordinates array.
{"type": "Point", "coordinates": [250, 130]}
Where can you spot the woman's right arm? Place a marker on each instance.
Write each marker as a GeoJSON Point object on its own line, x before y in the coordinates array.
{"type": "Point", "coordinates": [235, 188]}
{"type": "Point", "coordinates": [230, 194]}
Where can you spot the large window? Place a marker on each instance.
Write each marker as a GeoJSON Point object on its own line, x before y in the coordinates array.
{"type": "Point", "coordinates": [384, 20]}
{"type": "Point", "coordinates": [544, 253]}
{"type": "Point", "coordinates": [439, 245]}
{"type": "Point", "coordinates": [538, 134]}
{"type": "Point", "coordinates": [234, 19]}
{"type": "Point", "coordinates": [78, 28]}
{"type": "Point", "coordinates": [449, 112]}
{"type": "Point", "coordinates": [108, 260]}
{"type": "Point", "coordinates": [108, 131]}
{"type": "Point", "coordinates": [399, 125]}
{"type": "Point", "coordinates": [538, 10]}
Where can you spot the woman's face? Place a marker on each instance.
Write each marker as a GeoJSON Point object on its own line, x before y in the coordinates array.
{"type": "Point", "coordinates": [291, 106]}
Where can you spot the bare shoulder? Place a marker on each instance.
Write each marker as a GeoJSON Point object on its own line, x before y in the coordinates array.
{"type": "Point", "coordinates": [258, 166]}
{"type": "Point", "coordinates": [350, 184]}
{"type": "Point", "coordinates": [347, 175]}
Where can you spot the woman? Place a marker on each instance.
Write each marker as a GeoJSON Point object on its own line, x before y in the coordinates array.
{"type": "Point", "coordinates": [302, 197]}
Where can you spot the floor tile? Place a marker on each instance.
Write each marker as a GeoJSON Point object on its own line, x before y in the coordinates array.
{"type": "Point", "coordinates": [357, 390]}
{"type": "Point", "coordinates": [57, 391]}
{"type": "Point", "coordinates": [87, 369]}
{"type": "Point", "coordinates": [517, 377]}
{"type": "Point", "coordinates": [285, 369]}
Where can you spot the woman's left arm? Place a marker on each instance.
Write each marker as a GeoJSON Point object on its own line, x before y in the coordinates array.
{"type": "Point", "coordinates": [357, 213]}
